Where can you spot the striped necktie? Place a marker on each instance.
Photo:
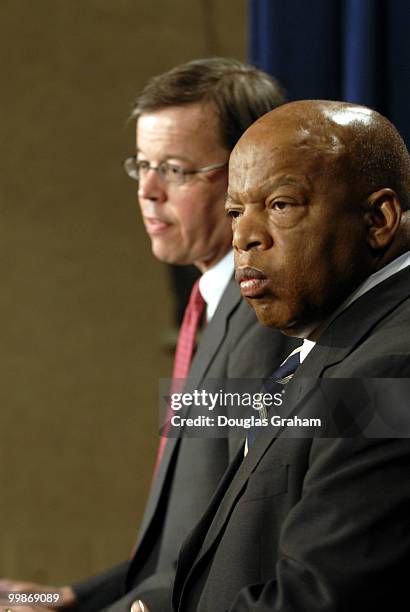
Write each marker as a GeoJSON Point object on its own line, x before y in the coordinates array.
{"type": "Point", "coordinates": [282, 375]}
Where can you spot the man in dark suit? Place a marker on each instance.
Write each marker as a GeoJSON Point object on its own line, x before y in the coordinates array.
{"type": "Point", "coordinates": [188, 120]}
{"type": "Point", "coordinates": [317, 519]}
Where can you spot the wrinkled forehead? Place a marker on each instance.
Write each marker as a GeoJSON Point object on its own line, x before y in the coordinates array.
{"type": "Point", "coordinates": [284, 131]}
{"type": "Point", "coordinates": [292, 147]}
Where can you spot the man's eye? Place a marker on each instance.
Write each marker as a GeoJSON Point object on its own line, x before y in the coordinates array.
{"type": "Point", "coordinates": [142, 164]}
{"type": "Point", "coordinates": [176, 170]}
{"type": "Point", "coordinates": [280, 205]}
{"type": "Point", "coordinates": [233, 214]}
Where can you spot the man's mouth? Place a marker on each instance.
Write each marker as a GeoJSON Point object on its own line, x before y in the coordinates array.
{"type": "Point", "coordinates": [154, 225]}
{"type": "Point", "coordinates": [251, 281]}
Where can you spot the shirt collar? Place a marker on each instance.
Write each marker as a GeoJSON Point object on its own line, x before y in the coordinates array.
{"type": "Point", "coordinates": [374, 279]}
{"type": "Point", "coordinates": [306, 348]}
{"type": "Point", "coordinates": [214, 281]}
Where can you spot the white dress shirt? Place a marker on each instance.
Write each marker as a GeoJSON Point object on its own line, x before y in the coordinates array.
{"type": "Point", "coordinates": [213, 283]}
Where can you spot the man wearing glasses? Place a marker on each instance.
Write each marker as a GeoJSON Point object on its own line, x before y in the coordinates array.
{"type": "Point", "coordinates": [187, 122]}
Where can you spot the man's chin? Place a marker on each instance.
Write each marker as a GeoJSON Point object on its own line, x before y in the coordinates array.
{"type": "Point", "coordinates": [173, 259]}
{"type": "Point", "coordinates": [161, 251]}
{"type": "Point", "coordinates": [270, 315]}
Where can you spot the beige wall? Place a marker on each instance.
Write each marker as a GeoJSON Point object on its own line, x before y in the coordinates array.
{"type": "Point", "coordinates": [83, 305]}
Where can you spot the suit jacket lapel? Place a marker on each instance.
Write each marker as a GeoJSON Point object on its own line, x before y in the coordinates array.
{"type": "Point", "coordinates": [211, 340]}
{"type": "Point", "coordinates": [214, 335]}
{"type": "Point", "coordinates": [193, 547]}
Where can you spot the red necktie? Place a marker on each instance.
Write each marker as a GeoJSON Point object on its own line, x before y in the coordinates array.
{"type": "Point", "coordinates": [187, 333]}
{"type": "Point", "coordinates": [184, 351]}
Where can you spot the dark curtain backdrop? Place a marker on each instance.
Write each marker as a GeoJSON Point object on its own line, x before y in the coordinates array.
{"type": "Point", "coordinates": [353, 50]}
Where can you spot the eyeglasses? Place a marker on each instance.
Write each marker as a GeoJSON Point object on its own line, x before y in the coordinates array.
{"type": "Point", "coordinates": [137, 169]}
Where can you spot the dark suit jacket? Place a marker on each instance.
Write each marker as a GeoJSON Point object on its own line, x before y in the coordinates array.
{"type": "Point", "coordinates": [309, 524]}
{"type": "Point", "coordinates": [233, 345]}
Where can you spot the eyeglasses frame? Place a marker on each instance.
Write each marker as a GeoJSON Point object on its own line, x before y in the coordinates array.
{"type": "Point", "coordinates": [183, 173]}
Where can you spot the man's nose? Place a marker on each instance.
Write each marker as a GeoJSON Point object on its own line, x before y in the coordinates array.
{"type": "Point", "coordinates": [151, 187]}
{"type": "Point", "coordinates": [250, 232]}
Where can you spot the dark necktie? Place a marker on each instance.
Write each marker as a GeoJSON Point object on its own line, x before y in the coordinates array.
{"type": "Point", "coordinates": [282, 375]}
{"type": "Point", "coordinates": [284, 372]}
{"type": "Point", "coordinates": [183, 354]}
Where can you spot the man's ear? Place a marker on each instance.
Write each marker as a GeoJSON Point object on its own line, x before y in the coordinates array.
{"type": "Point", "coordinates": [383, 214]}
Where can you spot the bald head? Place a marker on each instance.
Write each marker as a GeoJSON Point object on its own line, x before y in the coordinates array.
{"type": "Point", "coordinates": [319, 199]}
{"type": "Point", "coordinates": [371, 151]}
